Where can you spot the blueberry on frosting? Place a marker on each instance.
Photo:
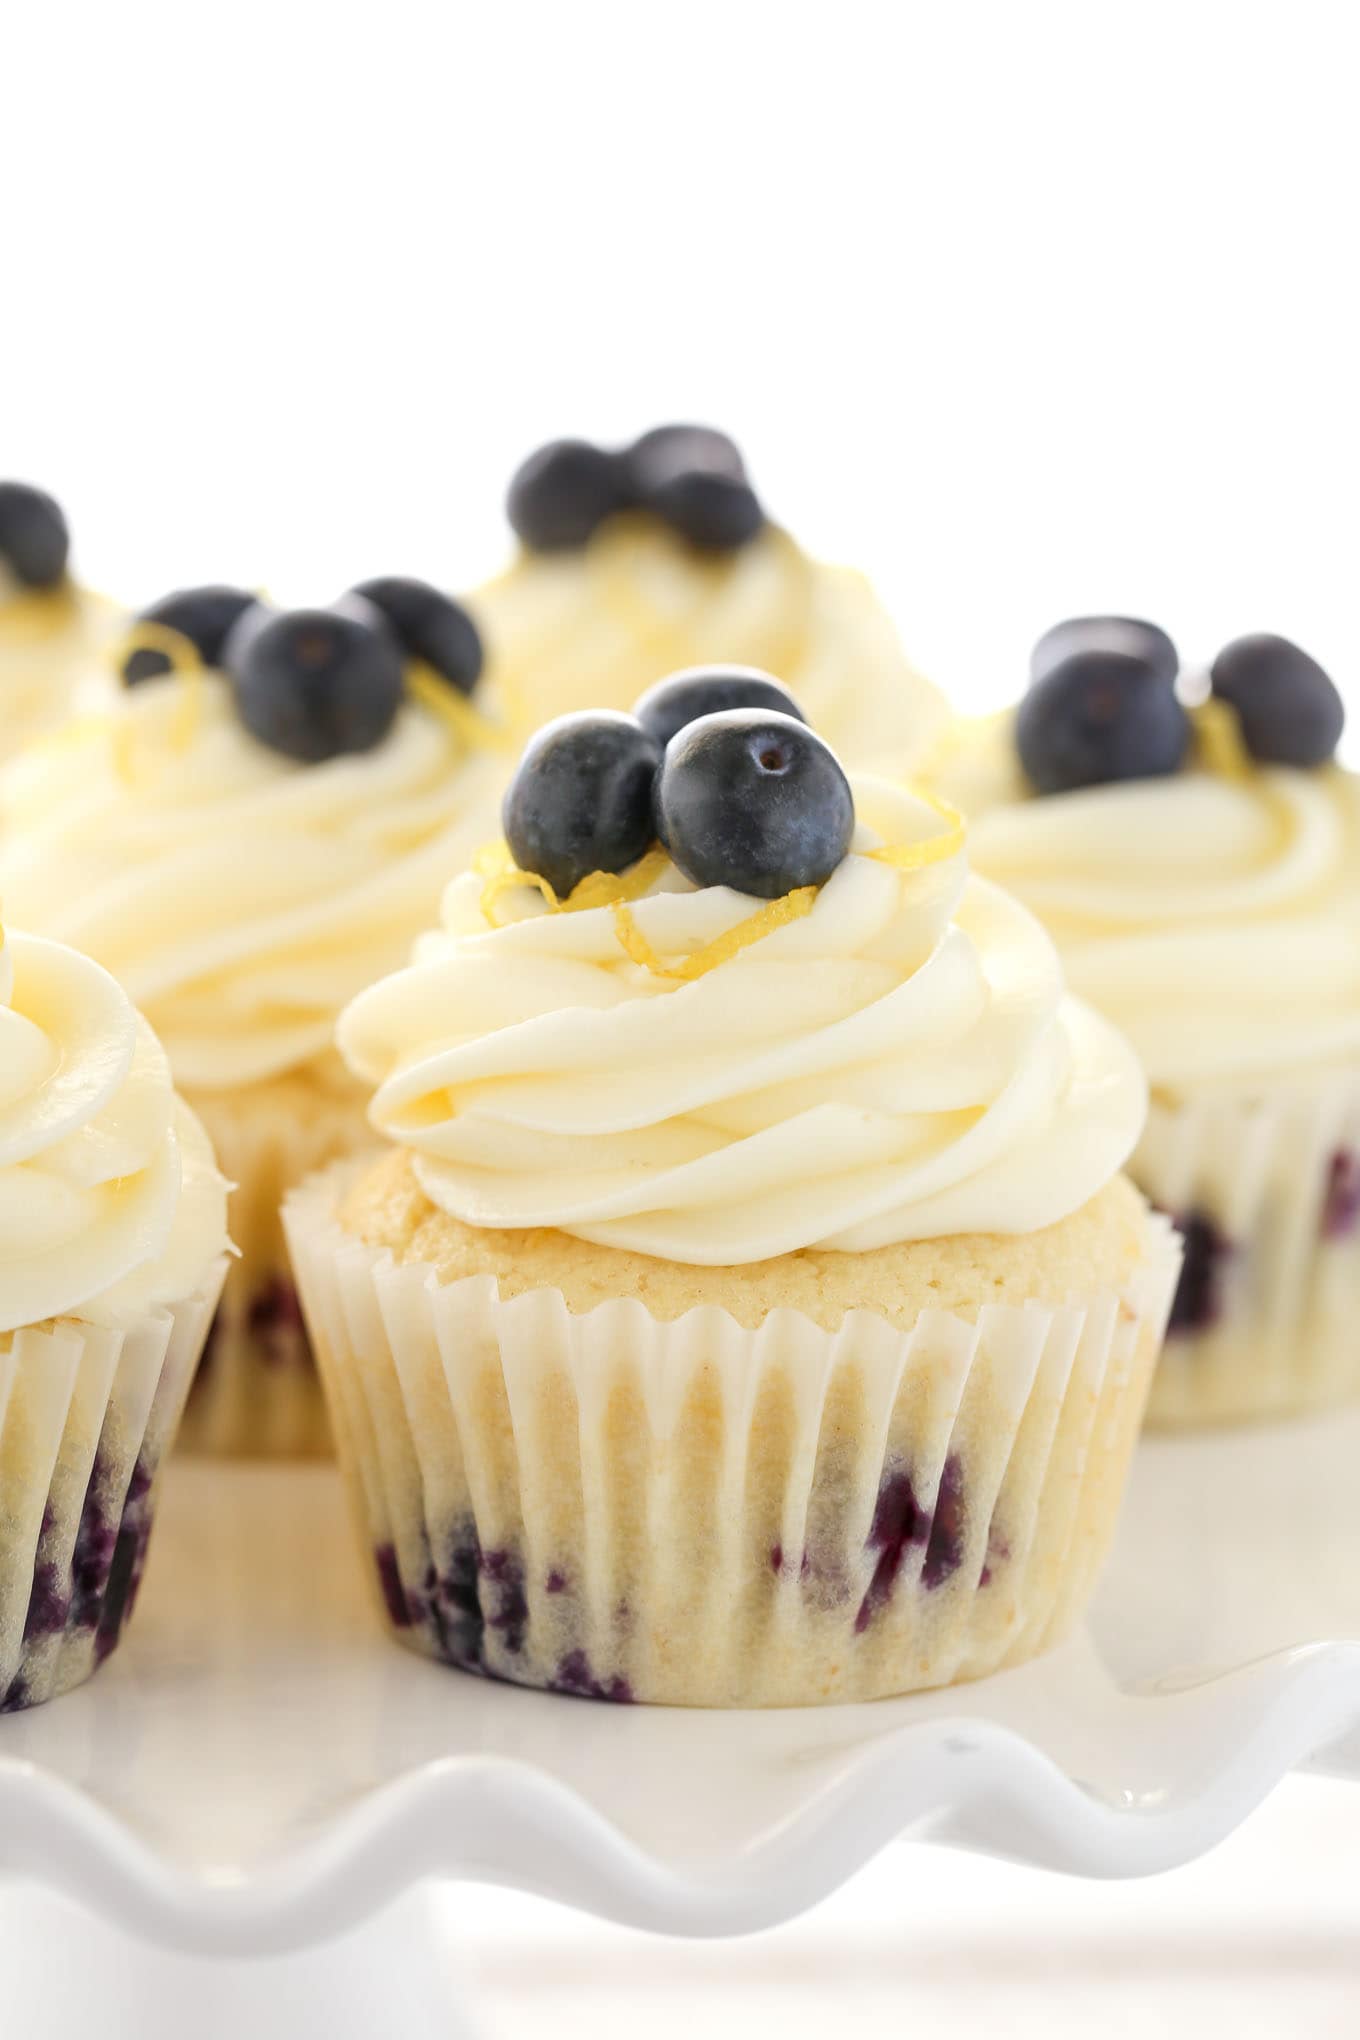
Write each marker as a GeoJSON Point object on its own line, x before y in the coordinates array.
{"type": "Point", "coordinates": [581, 799]}
{"type": "Point", "coordinates": [708, 690]}
{"type": "Point", "coordinates": [205, 616]}
{"type": "Point", "coordinates": [755, 801]}
{"type": "Point", "coordinates": [1288, 710]}
{"type": "Point", "coordinates": [429, 626]}
{"type": "Point", "coordinates": [1097, 717]}
{"type": "Point", "coordinates": [1128, 634]}
{"type": "Point", "coordinates": [316, 683]}
{"type": "Point", "coordinates": [564, 492]}
{"type": "Point", "coordinates": [690, 477]}
{"type": "Point", "coordinates": [35, 543]}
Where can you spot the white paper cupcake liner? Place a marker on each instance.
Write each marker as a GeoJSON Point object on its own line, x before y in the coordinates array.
{"type": "Point", "coordinates": [699, 1514]}
{"type": "Point", "coordinates": [1267, 1189]}
{"type": "Point", "coordinates": [257, 1394]}
{"type": "Point", "coordinates": [87, 1415]}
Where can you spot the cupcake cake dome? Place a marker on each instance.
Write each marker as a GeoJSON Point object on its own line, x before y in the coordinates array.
{"type": "Point", "coordinates": [257, 828]}
{"type": "Point", "coordinates": [749, 1309]}
{"type": "Point", "coordinates": [1195, 853]}
{"type": "Point", "coordinates": [53, 634]}
{"type": "Point", "coordinates": [112, 1246]}
{"type": "Point", "coordinates": [638, 561]}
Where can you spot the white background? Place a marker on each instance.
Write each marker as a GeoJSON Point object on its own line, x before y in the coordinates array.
{"type": "Point", "coordinates": [1027, 308]}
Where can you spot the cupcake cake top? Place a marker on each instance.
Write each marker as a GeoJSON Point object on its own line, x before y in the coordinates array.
{"type": "Point", "coordinates": [642, 559]}
{"type": "Point", "coordinates": [1187, 840]}
{"type": "Point", "coordinates": [799, 1023]}
{"type": "Point", "coordinates": [263, 818]}
{"type": "Point", "coordinates": [110, 1200]}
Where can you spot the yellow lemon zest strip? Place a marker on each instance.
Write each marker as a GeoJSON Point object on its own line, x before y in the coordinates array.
{"type": "Point", "coordinates": [775, 914]}
{"type": "Point", "coordinates": [931, 849]}
{"type": "Point", "coordinates": [186, 665]}
{"type": "Point", "coordinates": [454, 710]}
{"type": "Point", "coordinates": [1218, 734]}
{"type": "Point", "coordinates": [596, 889]}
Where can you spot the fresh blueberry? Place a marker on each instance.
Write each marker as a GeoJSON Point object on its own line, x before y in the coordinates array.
{"type": "Point", "coordinates": [1289, 710]}
{"type": "Point", "coordinates": [34, 541]}
{"type": "Point", "coordinates": [315, 684]}
{"type": "Point", "coordinates": [581, 798]}
{"type": "Point", "coordinates": [670, 450]}
{"type": "Point", "coordinates": [715, 512]}
{"type": "Point", "coordinates": [708, 690]}
{"type": "Point", "coordinates": [430, 626]}
{"type": "Point", "coordinates": [755, 801]}
{"type": "Point", "coordinates": [1098, 717]}
{"type": "Point", "coordinates": [206, 616]}
{"type": "Point", "coordinates": [1128, 634]}
{"type": "Point", "coordinates": [563, 493]}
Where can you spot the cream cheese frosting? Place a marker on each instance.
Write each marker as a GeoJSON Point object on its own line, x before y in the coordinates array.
{"type": "Point", "coordinates": [240, 898]}
{"type": "Point", "coordinates": [52, 647]}
{"type": "Point", "coordinates": [1216, 920]}
{"type": "Point", "coordinates": [110, 1200]}
{"type": "Point", "coordinates": [900, 1063]}
{"type": "Point", "coordinates": [595, 628]}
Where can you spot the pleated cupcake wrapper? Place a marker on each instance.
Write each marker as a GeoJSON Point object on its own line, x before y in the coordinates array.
{"type": "Point", "coordinates": [702, 1514]}
{"type": "Point", "coordinates": [1268, 1317]}
{"type": "Point", "coordinates": [87, 1414]}
{"type": "Point", "coordinates": [257, 1394]}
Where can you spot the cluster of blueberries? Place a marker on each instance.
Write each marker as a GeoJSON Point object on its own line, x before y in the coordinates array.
{"type": "Point", "coordinates": [1103, 704]}
{"type": "Point", "coordinates": [35, 543]}
{"type": "Point", "coordinates": [717, 764]}
{"type": "Point", "coordinates": [690, 476]}
{"type": "Point", "coordinates": [317, 683]}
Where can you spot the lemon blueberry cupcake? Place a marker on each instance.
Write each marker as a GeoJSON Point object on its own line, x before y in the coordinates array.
{"type": "Point", "coordinates": [640, 561]}
{"type": "Point", "coordinates": [1194, 849]}
{"type": "Point", "coordinates": [260, 825]}
{"type": "Point", "coordinates": [52, 632]}
{"type": "Point", "coordinates": [749, 1309]}
{"type": "Point", "coordinates": [112, 1245]}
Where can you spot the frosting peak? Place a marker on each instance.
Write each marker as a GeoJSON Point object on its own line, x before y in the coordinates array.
{"type": "Point", "coordinates": [110, 1201]}
{"type": "Point", "coordinates": [901, 1062]}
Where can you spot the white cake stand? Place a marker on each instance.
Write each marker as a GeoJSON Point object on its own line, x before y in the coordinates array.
{"type": "Point", "coordinates": [239, 1821]}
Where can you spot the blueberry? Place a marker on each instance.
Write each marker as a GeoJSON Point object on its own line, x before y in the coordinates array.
{"type": "Point", "coordinates": [715, 512]}
{"type": "Point", "coordinates": [315, 684]}
{"type": "Point", "coordinates": [1100, 716]}
{"type": "Point", "coordinates": [708, 690]}
{"type": "Point", "coordinates": [1198, 1302]}
{"type": "Point", "coordinates": [1127, 634]}
{"type": "Point", "coordinates": [206, 616]}
{"type": "Point", "coordinates": [1289, 710]}
{"type": "Point", "coordinates": [670, 450]}
{"type": "Point", "coordinates": [563, 493]}
{"type": "Point", "coordinates": [580, 800]}
{"type": "Point", "coordinates": [430, 626]}
{"type": "Point", "coordinates": [34, 541]}
{"type": "Point", "coordinates": [755, 801]}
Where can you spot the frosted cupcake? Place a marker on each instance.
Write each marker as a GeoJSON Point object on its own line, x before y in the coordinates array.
{"type": "Point", "coordinates": [245, 852]}
{"type": "Point", "coordinates": [639, 562]}
{"type": "Point", "coordinates": [1200, 871]}
{"type": "Point", "coordinates": [53, 634]}
{"type": "Point", "coordinates": [112, 1238]}
{"type": "Point", "coordinates": [749, 1309]}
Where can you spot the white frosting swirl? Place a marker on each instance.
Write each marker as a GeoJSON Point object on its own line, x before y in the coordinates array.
{"type": "Point", "coordinates": [1216, 921]}
{"type": "Point", "coordinates": [110, 1200]}
{"type": "Point", "coordinates": [595, 628]}
{"type": "Point", "coordinates": [901, 1063]}
{"type": "Point", "coordinates": [52, 648]}
{"type": "Point", "coordinates": [239, 897]}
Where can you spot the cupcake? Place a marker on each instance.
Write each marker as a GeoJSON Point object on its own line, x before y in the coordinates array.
{"type": "Point", "coordinates": [748, 1309]}
{"type": "Point", "coordinates": [245, 851]}
{"type": "Point", "coordinates": [638, 562]}
{"type": "Point", "coordinates": [112, 1245]}
{"type": "Point", "coordinates": [52, 632]}
{"type": "Point", "coordinates": [1199, 868]}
